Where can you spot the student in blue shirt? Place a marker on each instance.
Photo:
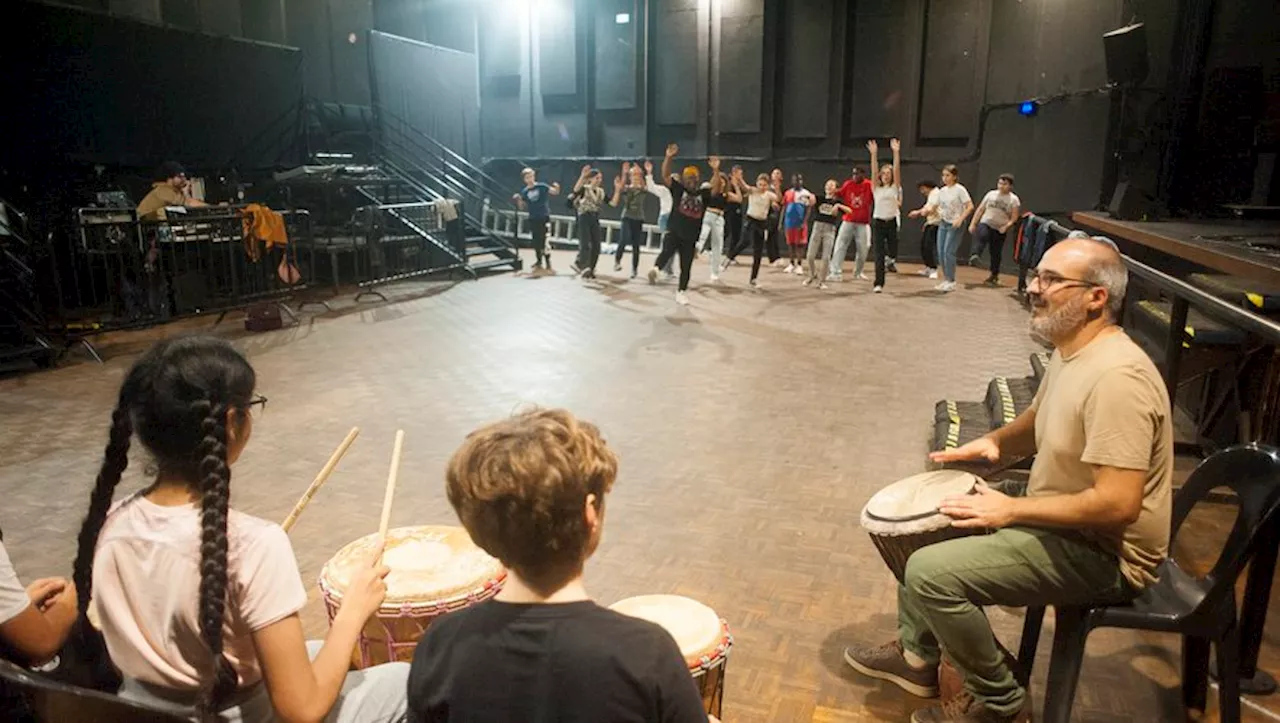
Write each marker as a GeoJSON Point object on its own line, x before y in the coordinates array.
{"type": "Point", "coordinates": [535, 197]}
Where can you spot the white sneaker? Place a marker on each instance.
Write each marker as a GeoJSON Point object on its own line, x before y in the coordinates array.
{"type": "Point", "coordinates": [788, 269]}
{"type": "Point", "coordinates": [933, 273]}
{"type": "Point", "coordinates": [925, 271]}
{"type": "Point", "coordinates": [823, 286]}
{"type": "Point", "coordinates": [617, 267]}
{"type": "Point", "coordinates": [946, 286]}
{"type": "Point", "coordinates": [653, 276]}
{"type": "Point", "coordinates": [668, 275]}
{"type": "Point", "coordinates": [682, 298]}
{"type": "Point", "coordinates": [777, 263]}
{"type": "Point", "coordinates": [951, 286]}
{"type": "Point", "coordinates": [860, 276]}
{"type": "Point", "coordinates": [753, 284]}
{"type": "Point", "coordinates": [715, 278]}
{"type": "Point", "coordinates": [877, 289]}
{"type": "Point", "coordinates": [799, 271]}
{"type": "Point", "coordinates": [809, 281]}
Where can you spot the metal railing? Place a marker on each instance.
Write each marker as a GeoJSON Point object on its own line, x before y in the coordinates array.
{"type": "Point", "coordinates": [403, 241]}
{"type": "Point", "coordinates": [562, 230]}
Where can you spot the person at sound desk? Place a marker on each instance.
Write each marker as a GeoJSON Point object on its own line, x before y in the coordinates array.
{"type": "Point", "coordinates": [169, 189]}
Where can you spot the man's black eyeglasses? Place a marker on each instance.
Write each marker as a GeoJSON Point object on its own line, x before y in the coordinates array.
{"type": "Point", "coordinates": [1048, 278]}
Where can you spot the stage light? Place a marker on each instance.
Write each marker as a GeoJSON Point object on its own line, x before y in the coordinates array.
{"type": "Point", "coordinates": [1029, 108]}
{"type": "Point", "coordinates": [622, 18]}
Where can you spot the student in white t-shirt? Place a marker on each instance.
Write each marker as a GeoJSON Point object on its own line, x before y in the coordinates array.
{"type": "Point", "coordinates": [198, 603]}
{"type": "Point", "coordinates": [886, 194]}
{"type": "Point", "coordinates": [34, 620]}
{"type": "Point", "coordinates": [996, 214]}
{"type": "Point", "coordinates": [953, 205]}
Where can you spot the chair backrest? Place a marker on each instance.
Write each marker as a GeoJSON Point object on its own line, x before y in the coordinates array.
{"type": "Point", "coordinates": [50, 700]}
{"type": "Point", "coordinates": [1252, 471]}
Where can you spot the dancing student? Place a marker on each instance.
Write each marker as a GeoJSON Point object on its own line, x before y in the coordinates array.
{"type": "Point", "coordinates": [826, 218]}
{"type": "Point", "coordinates": [952, 204]}
{"type": "Point", "coordinates": [887, 199]}
{"type": "Point", "coordinates": [713, 222]}
{"type": "Point", "coordinates": [929, 236]}
{"type": "Point", "coordinates": [531, 491]}
{"type": "Point", "coordinates": [199, 603]}
{"type": "Point", "coordinates": [996, 214]}
{"type": "Point", "coordinates": [629, 189]}
{"type": "Point", "coordinates": [535, 197]}
{"type": "Point", "coordinates": [35, 620]}
{"type": "Point", "coordinates": [797, 207]}
{"type": "Point", "coordinates": [689, 199]}
{"type": "Point", "coordinates": [588, 197]}
{"type": "Point", "coordinates": [663, 195]}
{"type": "Point", "coordinates": [733, 219]}
{"type": "Point", "coordinates": [759, 198]}
{"type": "Point", "coordinates": [857, 195]}
{"type": "Point", "coordinates": [773, 230]}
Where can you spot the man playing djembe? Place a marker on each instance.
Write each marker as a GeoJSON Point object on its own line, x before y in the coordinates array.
{"type": "Point", "coordinates": [1094, 523]}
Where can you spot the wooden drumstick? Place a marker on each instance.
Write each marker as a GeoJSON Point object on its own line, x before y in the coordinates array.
{"type": "Point", "coordinates": [391, 486]}
{"type": "Point", "coordinates": [320, 479]}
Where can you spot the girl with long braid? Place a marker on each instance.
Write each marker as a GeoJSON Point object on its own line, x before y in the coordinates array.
{"type": "Point", "coordinates": [198, 603]}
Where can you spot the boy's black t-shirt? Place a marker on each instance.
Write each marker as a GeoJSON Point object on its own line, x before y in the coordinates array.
{"type": "Point", "coordinates": [825, 210]}
{"type": "Point", "coordinates": [568, 663]}
{"type": "Point", "coordinates": [687, 209]}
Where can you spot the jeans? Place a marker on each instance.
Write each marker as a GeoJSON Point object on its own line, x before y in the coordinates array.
{"type": "Point", "coordinates": [945, 585]}
{"type": "Point", "coordinates": [755, 232]}
{"type": "Point", "coordinates": [860, 234]}
{"type": "Point", "coordinates": [884, 234]}
{"type": "Point", "coordinates": [538, 227]}
{"type": "Point", "coordinates": [632, 231]}
{"type": "Point", "coordinates": [929, 246]}
{"type": "Point", "coordinates": [713, 230]}
{"type": "Point", "coordinates": [821, 241]}
{"type": "Point", "coordinates": [991, 237]}
{"type": "Point", "coordinates": [671, 245]}
{"type": "Point", "coordinates": [588, 241]}
{"type": "Point", "coordinates": [948, 241]}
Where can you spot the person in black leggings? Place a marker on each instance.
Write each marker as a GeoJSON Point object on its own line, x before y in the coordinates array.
{"type": "Point", "coordinates": [629, 189]}
{"type": "Point", "coordinates": [759, 199]}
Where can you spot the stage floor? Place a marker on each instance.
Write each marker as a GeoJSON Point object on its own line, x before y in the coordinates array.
{"type": "Point", "coordinates": [751, 426]}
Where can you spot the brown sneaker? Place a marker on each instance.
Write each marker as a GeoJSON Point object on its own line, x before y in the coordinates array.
{"type": "Point", "coordinates": [886, 662]}
{"type": "Point", "coordinates": [964, 709]}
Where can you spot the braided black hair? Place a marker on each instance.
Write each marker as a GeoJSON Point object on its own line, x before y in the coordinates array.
{"type": "Point", "coordinates": [177, 398]}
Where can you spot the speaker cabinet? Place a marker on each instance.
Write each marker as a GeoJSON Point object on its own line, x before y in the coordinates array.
{"type": "Point", "coordinates": [1126, 51]}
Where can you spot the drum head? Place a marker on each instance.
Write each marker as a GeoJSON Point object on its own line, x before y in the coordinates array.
{"type": "Point", "coordinates": [696, 628]}
{"type": "Point", "coordinates": [428, 563]}
{"type": "Point", "coordinates": [917, 497]}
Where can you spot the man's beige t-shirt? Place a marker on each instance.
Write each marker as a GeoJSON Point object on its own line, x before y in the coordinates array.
{"type": "Point", "coordinates": [1107, 405]}
{"type": "Point", "coordinates": [162, 194]}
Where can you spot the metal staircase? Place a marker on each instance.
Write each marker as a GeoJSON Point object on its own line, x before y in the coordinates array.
{"type": "Point", "coordinates": [431, 171]}
{"type": "Point", "coordinates": [22, 326]}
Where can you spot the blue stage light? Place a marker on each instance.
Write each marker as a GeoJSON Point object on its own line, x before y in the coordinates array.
{"type": "Point", "coordinates": [1028, 108]}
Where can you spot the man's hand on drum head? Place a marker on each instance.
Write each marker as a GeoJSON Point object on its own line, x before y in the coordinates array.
{"type": "Point", "coordinates": [368, 586]}
{"type": "Point", "coordinates": [984, 508]}
{"type": "Point", "coordinates": [982, 449]}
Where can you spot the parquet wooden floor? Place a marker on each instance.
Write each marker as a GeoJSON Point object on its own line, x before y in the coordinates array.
{"type": "Point", "coordinates": [752, 427]}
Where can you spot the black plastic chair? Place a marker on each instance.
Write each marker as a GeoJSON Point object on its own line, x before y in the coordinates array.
{"type": "Point", "coordinates": [49, 700]}
{"type": "Point", "coordinates": [1202, 610]}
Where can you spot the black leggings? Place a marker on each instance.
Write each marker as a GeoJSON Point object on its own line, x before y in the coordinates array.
{"type": "Point", "coordinates": [884, 241]}
{"type": "Point", "coordinates": [538, 227]}
{"type": "Point", "coordinates": [993, 239]}
{"type": "Point", "coordinates": [929, 246]}
{"type": "Point", "coordinates": [588, 241]}
{"type": "Point", "coordinates": [671, 245]}
{"type": "Point", "coordinates": [633, 231]}
{"type": "Point", "coordinates": [754, 232]}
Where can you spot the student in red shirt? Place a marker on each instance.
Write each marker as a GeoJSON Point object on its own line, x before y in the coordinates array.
{"type": "Point", "coordinates": [856, 194]}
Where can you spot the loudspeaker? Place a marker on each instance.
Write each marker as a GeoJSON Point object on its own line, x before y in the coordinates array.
{"type": "Point", "coordinates": [1130, 203]}
{"type": "Point", "coordinates": [1126, 51]}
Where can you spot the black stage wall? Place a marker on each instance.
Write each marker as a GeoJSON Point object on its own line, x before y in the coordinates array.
{"type": "Point", "coordinates": [799, 79]}
{"type": "Point", "coordinates": [85, 88]}
{"type": "Point", "coordinates": [429, 87]}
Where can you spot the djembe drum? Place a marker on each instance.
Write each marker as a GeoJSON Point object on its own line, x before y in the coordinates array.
{"type": "Point", "coordinates": [703, 638]}
{"type": "Point", "coordinates": [904, 517]}
{"type": "Point", "coordinates": [434, 570]}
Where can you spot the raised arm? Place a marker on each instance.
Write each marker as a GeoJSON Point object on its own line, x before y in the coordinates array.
{"type": "Point", "coordinates": [875, 160]}
{"type": "Point", "coordinates": [672, 150]}
{"type": "Point", "coordinates": [555, 188]}
{"type": "Point", "coordinates": [617, 187]}
{"type": "Point", "coordinates": [717, 180]}
{"type": "Point", "coordinates": [896, 146]}
{"type": "Point", "coordinates": [582, 178]}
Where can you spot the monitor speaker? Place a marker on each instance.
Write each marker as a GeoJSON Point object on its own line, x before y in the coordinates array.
{"type": "Point", "coordinates": [1126, 51]}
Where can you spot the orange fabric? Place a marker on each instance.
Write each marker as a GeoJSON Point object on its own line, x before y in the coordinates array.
{"type": "Point", "coordinates": [262, 225]}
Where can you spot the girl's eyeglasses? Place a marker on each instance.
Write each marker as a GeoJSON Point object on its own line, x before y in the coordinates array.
{"type": "Point", "coordinates": [258, 401]}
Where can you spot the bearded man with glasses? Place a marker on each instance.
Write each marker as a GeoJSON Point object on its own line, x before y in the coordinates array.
{"type": "Point", "coordinates": [1094, 523]}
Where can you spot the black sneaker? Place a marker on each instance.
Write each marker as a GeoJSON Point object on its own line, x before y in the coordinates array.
{"type": "Point", "coordinates": [886, 662]}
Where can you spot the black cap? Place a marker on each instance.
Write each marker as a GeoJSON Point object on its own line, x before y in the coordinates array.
{"type": "Point", "coordinates": [169, 169]}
